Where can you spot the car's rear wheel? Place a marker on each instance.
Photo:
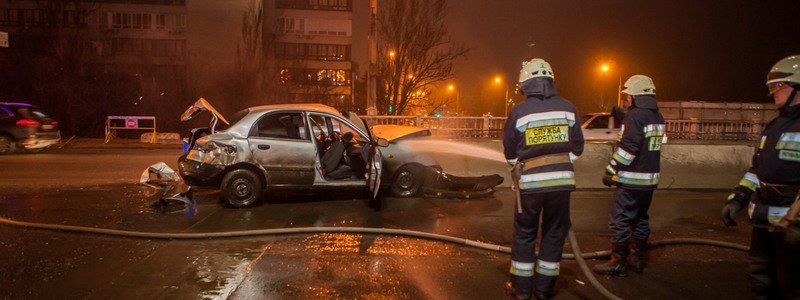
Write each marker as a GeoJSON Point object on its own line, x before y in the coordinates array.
{"type": "Point", "coordinates": [7, 145]}
{"type": "Point", "coordinates": [407, 180]}
{"type": "Point", "coordinates": [240, 188]}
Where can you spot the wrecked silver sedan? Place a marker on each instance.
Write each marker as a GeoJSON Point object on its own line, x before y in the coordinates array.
{"type": "Point", "coordinates": [307, 146]}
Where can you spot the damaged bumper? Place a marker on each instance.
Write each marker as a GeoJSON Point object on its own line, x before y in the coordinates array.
{"type": "Point", "coordinates": [198, 173]}
{"type": "Point", "coordinates": [440, 184]}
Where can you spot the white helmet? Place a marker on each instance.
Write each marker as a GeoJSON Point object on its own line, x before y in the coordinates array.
{"type": "Point", "coordinates": [639, 85]}
{"type": "Point", "coordinates": [787, 70]}
{"type": "Point", "coordinates": [536, 67]}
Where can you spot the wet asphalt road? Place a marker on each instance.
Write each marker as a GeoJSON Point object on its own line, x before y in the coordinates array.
{"type": "Point", "coordinates": [96, 188]}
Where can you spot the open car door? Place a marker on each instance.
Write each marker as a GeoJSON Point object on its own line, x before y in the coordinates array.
{"type": "Point", "coordinates": [373, 157]}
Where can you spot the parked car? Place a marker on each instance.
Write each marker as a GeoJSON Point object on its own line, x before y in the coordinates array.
{"type": "Point", "coordinates": [26, 127]}
{"type": "Point", "coordinates": [302, 147]}
{"type": "Point", "coordinates": [601, 127]}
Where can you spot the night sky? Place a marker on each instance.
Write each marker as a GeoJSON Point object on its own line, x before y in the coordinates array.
{"type": "Point", "coordinates": [694, 50]}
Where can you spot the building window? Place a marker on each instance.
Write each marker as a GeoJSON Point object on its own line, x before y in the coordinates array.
{"type": "Point", "coordinates": [341, 5]}
{"type": "Point", "coordinates": [322, 52]}
{"type": "Point", "coordinates": [325, 77]}
{"type": "Point", "coordinates": [131, 21]}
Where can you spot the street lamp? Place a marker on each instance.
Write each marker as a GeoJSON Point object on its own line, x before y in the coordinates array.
{"type": "Point", "coordinates": [392, 54]}
{"type": "Point", "coordinates": [499, 80]}
{"type": "Point", "coordinates": [606, 68]}
{"type": "Point", "coordinates": [451, 88]}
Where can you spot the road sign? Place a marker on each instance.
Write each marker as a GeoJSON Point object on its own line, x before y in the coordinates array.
{"type": "Point", "coordinates": [131, 123]}
{"type": "Point", "coordinates": [3, 39]}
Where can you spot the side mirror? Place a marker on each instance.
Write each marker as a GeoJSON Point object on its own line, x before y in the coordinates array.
{"type": "Point", "coordinates": [382, 142]}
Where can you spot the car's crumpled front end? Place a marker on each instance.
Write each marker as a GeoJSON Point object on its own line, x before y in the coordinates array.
{"type": "Point", "coordinates": [440, 184]}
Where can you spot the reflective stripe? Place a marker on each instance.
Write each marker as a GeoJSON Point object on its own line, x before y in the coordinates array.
{"type": "Point", "coordinates": [750, 181]}
{"type": "Point", "coordinates": [611, 170]}
{"type": "Point", "coordinates": [624, 157]}
{"type": "Point", "coordinates": [549, 179]}
{"type": "Point", "coordinates": [789, 141]}
{"type": "Point", "coordinates": [512, 161]}
{"type": "Point", "coordinates": [774, 213]}
{"type": "Point", "coordinates": [547, 268]}
{"type": "Point", "coordinates": [653, 130]}
{"type": "Point", "coordinates": [573, 157]}
{"type": "Point", "coordinates": [635, 178]}
{"type": "Point", "coordinates": [545, 119]}
{"type": "Point", "coordinates": [521, 269]}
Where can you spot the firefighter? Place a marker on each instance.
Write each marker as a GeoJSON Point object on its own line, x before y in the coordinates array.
{"type": "Point", "coordinates": [770, 187]}
{"type": "Point", "coordinates": [541, 140]}
{"type": "Point", "coordinates": [634, 169]}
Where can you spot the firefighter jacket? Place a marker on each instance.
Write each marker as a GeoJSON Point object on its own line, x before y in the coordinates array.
{"type": "Point", "coordinates": [636, 160]}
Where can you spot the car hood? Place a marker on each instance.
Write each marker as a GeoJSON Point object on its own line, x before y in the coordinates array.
{"type": "Point", "coordinates": [394, 132]}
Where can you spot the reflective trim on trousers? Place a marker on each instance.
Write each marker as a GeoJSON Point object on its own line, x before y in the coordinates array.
{"type": "Point", "coordinates": [547, 268]}
{"type": "Point", "coordinates": [774, 213]}
{"type": "Point", "coordinates": [750, 181]}
{"type": "Point", "coordinates": [521, 269]}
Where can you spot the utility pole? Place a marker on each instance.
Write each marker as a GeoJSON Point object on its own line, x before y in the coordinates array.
{"type": "Point", "coordinates": [372, 89]}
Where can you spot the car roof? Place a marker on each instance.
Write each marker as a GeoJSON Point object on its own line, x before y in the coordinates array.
{"type": "Point", "coordinates": [315, 107]}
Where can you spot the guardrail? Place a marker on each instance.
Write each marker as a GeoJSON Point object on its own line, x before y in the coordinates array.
{"type": "Point", "coordinates": [492, 127]}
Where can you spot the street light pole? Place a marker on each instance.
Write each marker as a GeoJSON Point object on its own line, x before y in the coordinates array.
{"type": "Point", "coordinates": [372, 89]}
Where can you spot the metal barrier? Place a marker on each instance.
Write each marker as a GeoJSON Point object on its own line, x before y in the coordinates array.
{"type": "Point", "coordinates": [115, 123]}
{"type": "Point", "coordinates": [492, 127]}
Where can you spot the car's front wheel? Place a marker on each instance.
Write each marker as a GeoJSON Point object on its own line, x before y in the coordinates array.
{"type": "Point", "coordinates": [240, 188]}
{"type": "Point", "coordinates": [407, 180]}
{"type": "Point", "coordinates": [7, 145]}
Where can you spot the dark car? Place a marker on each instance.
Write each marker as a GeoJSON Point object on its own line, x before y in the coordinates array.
{"type": "Point", "coordinates": [24, 126]}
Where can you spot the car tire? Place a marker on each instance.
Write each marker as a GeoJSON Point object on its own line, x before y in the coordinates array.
{"type": "Point", "coordinates": [407, 181]}
{"type": "Point", "coordinates": [240, 188]}
{"type": "Point", "coordinates": [7, 145]}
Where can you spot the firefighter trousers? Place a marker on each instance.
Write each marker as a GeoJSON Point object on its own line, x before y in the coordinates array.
{"type": "Point", "coordinates": [553, 209]}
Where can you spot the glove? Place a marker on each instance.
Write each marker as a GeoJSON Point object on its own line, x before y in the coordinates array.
{"type": "Point", "coordinates": [736, 202]}
{"type": "Point", "coordinates": [608, 181]}
{"type": "Point", "coordinates": [607, 177]}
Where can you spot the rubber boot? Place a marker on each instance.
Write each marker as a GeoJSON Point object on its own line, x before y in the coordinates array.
{"type": "Point", "coordinates": [542, 295]}
{"type": "Point", "coordinates": [637, 256]}
{"type": "Point", "coordinates": [617, 265]}
{"type": "Point", "coordinates": [511, 291]}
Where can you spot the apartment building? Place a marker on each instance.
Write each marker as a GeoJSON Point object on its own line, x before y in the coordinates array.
{"type": "Point", "coordinates": [314, 45]}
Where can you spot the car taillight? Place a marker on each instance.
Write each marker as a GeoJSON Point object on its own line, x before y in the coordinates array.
{"type": "Point", "coordinates": [26, 122]}
{"type": "Point", "coordinates": [54, 123]}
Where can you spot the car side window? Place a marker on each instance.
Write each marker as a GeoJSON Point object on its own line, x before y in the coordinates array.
{"type": "Point", "coordinates": [344, 128]}
{"type": "Point", "coordinates": [599, 122]}
{"type": "Point", "coordinates": [290, 126]}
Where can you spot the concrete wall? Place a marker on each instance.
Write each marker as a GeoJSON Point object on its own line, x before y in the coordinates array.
{"type": "Point", "coordinates": [682, 166]}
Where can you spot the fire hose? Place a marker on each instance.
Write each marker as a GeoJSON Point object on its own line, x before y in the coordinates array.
{"type": "Point", "coordinates": [577, 255]}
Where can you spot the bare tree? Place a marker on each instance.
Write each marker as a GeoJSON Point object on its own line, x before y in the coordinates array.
{"type": "Point", "coordinates": [417, 50]}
